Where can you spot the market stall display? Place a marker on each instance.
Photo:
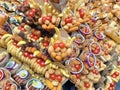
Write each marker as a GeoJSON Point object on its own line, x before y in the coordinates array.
{"type": "Point", "coordinates": [43, 44]}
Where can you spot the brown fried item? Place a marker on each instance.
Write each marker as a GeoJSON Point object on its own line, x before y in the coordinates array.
{"type": "Point", "coordinates": [17, 38]}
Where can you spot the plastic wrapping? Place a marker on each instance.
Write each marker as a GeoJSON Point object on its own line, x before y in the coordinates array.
{"type": "Point", "coordinates": [4, 57]}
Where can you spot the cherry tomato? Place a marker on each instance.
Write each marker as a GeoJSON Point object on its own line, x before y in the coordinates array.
{"type": "Point", "coordinates": [98, 48]}
{"type": "Point", "coordinates": [23, 29]}
{"type": "Point", "coordinates": [30, 13]}
{"type": "Point", "coordinates": [33, 10]}
{"type": "Point", "coordinates": [109, 46]}
{"type": "Point", "coordinates": [86, 30]}
{"type": "Point", "coordinates": [43, 20]}
{"type": "Point", "coordinates": [1, 74]}
{"type": "Point", "coordinates": [77, 75]}
{"type": "Point", "coordinates": [8, 83]}
{"type": "Point", "coordinates": [116, 73]}
{"type": "Point", "coordinates": [61, 45]}
{"type": "Point", "coordinates": [68, 20]}
{"type": "Point", "coordinates": [31, 35]}
{"type": "Point", "coordinates": [96, 72]}
{"type": "Point", "coordinates": [93, 70]}
{"type": "Point", "coordinates": [46, 44]}
{"type": "Point", "coordinates": [77, 66]}
{"type": "Point", "coordinates": [59, 78]}
{"type": "Point", "coordinates": [105, 52]}
{"type": "Point", "coordinates": [81, 12]}
{"type": "Point", "coordinates": [87, 84]}
{"type": "Point", "coordinates": [42, 64]}
{"type": "Point", "coordinates": [95, 51]}
{"type": "Point", "coordinates": [49, 18]}
{"type": "Point", "coordinates": [20, 27]}
{"type": "Point", "coordinates": [56, 45]}
{"type": "Point", "coordinates": [91, 64]}
{"type": "Point", "coordinates": [39, 61]}
{"type": "Point", "coordinates": [52, 76]}
{"type": "Point", "coordinates": [7, 87]}
{"type": "Point", "coordinates": [110, 88]}
{"type": "Point", "coordinates": [99, 63]}
{"type": "Point", "coordinates": [113, 75]}
{"type": "Point", "coordinates": [31, 56]}
{"type": "Point", "coordinates": [26, 54]}
{"type": "Point", "coordinates": [112, 84]}
{"type": "Point", "coordinates": [36, 37]}
{"type": "Point", "coordinates": [100, 36]}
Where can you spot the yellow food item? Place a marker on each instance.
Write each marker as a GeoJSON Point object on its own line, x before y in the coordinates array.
{"type": "Point", "coordinates": [49, 84]}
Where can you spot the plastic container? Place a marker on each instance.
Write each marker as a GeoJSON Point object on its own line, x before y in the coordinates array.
{"type": "Point", "coordinates": [34, 84]}
{"type": "Point", "coordinates": [22, 76]}
{"type": "Point", "coordinates": [4, 75]}
{"type": "Point", "coordinates": [13, 66]}
{"type": "Point", "coordinates": [72, 62]}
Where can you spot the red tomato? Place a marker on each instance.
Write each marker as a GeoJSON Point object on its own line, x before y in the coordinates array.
{"type": "Point", "coordinates": [86, 30]}
{"type": "Point", "coordinates": [99, 63]}
{"type": "Point", "coordinates": [77, 66]}
{"type": "Point", "coordinates": [91, 64]}
{"type": "Point", "coordinates": [33, 10]}
{"type": "Point", "coordinates": [31, 56]}
{"type": "Point", "coordinates": [116, 73]}
{"type": "Point", "coordinates": [100, 36]}
{"type": "Point", "coordinates": [59, 78]}
{"type": "Point", "coordinates": [23, 29]}
{"type": "Point", "coordinates": [112, 84]}
{"type": "Point", "coordinates": [42, 64]}
{"type": "Point", "coordinates": [109, 46]}
{"type": "Point", "coordinates": [31, 14]}
{"type": "Point", "coordinates": [110, 88]}
{"type": "Point", "coordinates": [86, 84]}
{"type": "Point", "coordinates": [49, 18]}
{"type": "Point", "coordinates": [95, 51]}
{"type": "Point", "coordinates": [20, 27]}
{"type": "Point", "coordinates": [61, 45]}
{"type": "Point", "coordinates": [7, 87]}
{"type": "Point", "coordinates": [98, 48]}
{"type": "Point", "coordinates": [1, 74]}
{"type": "Point", "coordinates": [31, 35]}
{"type": "Point", "coordinates": [43, 20]}
{"type": "Point", "coordinates": [36, 37]}
{"type": "Point", "coordinates": [52, 76]}
{"type": "Point", "coordinates": [105, 52]}
{"type": "Point", "coordinates": [26, 54]}
{"type": "Point", "coordinates": [56, 45]}
{"type": "Point", "coordinates": [96, 72]}
{"type": "Point", "coordinates": [46, 44]}
{"type": "Point", "coordinates": [113, 75]}
{"type": "Point", "coordinates": [77, 75]}
{"type": "Point", "coordinates": [39, 61]}
{"type": "Point", "coordinates": [68, 20]}
{"type": "Point", "coordinates": [81, 12]}
{"type": "Point", "coordinates": [93, 70]}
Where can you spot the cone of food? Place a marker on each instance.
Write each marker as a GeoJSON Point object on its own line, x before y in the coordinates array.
{"type": "Point", "coordinates": [61, 45]}
{"type": "Point", "coordinates": [50, 17]}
